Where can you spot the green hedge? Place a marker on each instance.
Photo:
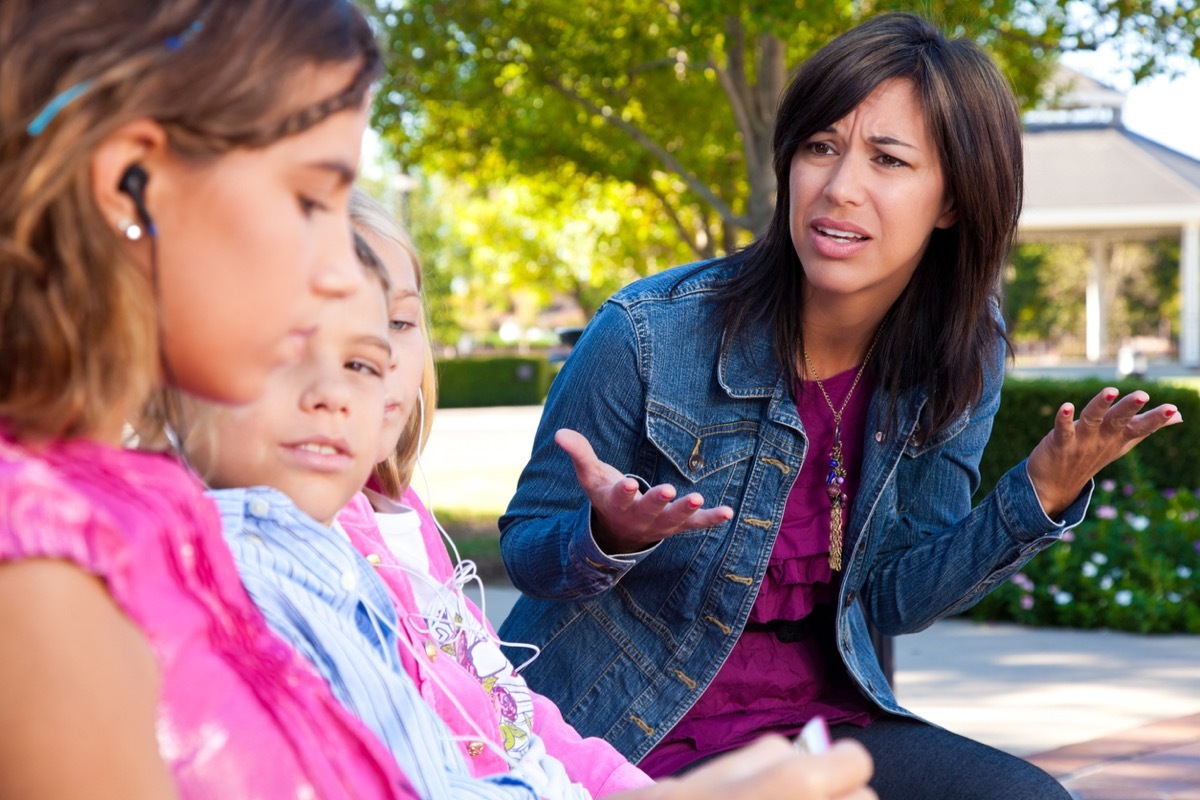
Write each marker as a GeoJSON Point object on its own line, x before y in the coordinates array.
{"type": "Point", "coordinates": [1132, 565]}
{"type": "Point", "coordinates": [1168, 459]}
{"type": "Point", "coordinates": [492, 381]}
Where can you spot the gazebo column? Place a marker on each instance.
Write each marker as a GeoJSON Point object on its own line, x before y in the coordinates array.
{"type": "Point", "coordinates": [1189, 285]}
{"type": "Point", "coordinates": [1097, 313]}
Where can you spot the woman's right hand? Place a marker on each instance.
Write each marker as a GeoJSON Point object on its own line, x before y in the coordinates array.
{"type": "Point", "coordinates": [624, 519]}
{"type": "Point", "coordinates": [771, 768]}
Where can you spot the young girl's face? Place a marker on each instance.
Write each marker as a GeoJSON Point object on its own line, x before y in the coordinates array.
{"type": "Point", "coordinates": [314, 433]}
{"type": "Point", "coordinates": [251, 245]}
{"type": "Point", "coordinates": [403, 381]}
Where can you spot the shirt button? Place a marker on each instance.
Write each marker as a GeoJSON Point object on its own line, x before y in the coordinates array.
{"type": "Point", "coordinates": [374, 560]}
{"type": "Point", "coordinates": [349, 581]}
{"type": "Point", "coordinates": [259, 507]}
{"type": "Point", "coordinates": [475, 748]}
{"type": "Point", "coordinates": [430, 650]}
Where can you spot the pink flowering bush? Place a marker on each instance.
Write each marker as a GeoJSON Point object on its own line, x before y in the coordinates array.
{"type": "Point", "coordinates": [1133, 565]}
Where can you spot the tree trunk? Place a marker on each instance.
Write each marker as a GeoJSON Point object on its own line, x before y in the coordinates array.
{"type": "Point", "coordinates": [753, 106]}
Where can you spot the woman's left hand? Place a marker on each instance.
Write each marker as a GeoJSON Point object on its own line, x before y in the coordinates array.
{"type": "Point", "coordinates": [1075, 450]}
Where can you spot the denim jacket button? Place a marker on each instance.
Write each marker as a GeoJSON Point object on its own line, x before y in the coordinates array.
{"type": "Point", "coordinates": [696, 462]}
{"type": "Point", "coordinates": [850, 598]}
{"type": "Point", "coordinates": [879, 436]}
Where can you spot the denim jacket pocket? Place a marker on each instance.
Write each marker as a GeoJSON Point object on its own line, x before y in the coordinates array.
{"type": "Point", "coordinates": [912, 449]}
{"type": "Point", "coordinates": [698, 452]}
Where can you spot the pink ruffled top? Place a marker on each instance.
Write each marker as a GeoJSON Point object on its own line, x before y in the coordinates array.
{"type": "Point", "coordinates": [240, 714]}
{"type": "Point", "coordinates": [768, 685]}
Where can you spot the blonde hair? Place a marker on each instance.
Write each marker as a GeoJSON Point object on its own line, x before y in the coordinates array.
{"type": "Point", "coordinates": [78, 318]}
{"type": "Point", "coordinates": [394, 473]}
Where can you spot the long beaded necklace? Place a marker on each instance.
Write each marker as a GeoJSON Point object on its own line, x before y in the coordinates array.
{"type": "Point", "coordinates": [836, 477]}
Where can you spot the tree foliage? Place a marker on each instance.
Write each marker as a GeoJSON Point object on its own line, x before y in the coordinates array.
{"type": "Point", "coordinates": [1043, 292]}
{"type": "Point", "coordinates": [512, 249]}
{"type": "Point", "coordinates": [677, 97]}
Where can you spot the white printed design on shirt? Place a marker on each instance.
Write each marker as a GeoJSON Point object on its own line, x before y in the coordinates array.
{"type": "Point", "coordinates": [508, 692]}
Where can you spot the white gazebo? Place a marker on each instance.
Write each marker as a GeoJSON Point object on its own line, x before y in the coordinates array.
{"type": "Point", "coordinates": [1089, 179]}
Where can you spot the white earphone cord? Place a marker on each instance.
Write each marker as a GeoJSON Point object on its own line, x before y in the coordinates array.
{"type": "Point", "coordinates": [464, 571]}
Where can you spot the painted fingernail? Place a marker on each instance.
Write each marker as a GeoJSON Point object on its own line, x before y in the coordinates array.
{"type": "Point", "coordinates": [1110, 396]}
{"type": "Point", "coordinates": [695, 503]}
{"type": "Point", "coordinates": [1170, 413]}
{"type": "Point", "coordinates": [1141, 401]}
{"type": "Point", "coordinates": [1066, 412]}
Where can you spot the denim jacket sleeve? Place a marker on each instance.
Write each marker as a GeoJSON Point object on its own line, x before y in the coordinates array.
{"type": "Point", "coordinates": [940, 558]}
{"type": "Point", "coordinates": [545, 535]}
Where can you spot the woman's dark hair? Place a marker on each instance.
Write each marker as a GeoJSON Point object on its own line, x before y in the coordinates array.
{"type": "Point", "coordinates": [941, 328]}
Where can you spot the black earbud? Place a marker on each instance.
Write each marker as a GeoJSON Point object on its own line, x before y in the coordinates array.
{"type": "Point", "coordinates": [133, 183]}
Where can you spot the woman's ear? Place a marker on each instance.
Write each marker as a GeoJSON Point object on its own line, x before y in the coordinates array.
{"type": "Point", "coordinates": [949, 215]}
{"type": "Point", "coordinates": [140, 142]}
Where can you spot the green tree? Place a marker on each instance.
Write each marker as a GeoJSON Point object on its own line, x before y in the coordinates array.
{"type": "Point", "coordinates": [1043, 298]}
{"type": "Point", "coordinates": [511, 249]}
{"type": "Point", "coordinates": [677, 97]}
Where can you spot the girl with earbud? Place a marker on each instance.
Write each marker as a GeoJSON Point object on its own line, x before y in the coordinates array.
{"type": "Point", "coordinates": [282, 466]}
{"type": "Point", "coordinates": [173, 185]}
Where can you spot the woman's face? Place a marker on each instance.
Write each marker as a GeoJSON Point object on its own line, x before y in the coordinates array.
{"type": "Point", "coordinates": [251, 245]}
{"type": "Point", "coordinates": [403, 380]}
{"type": "Point", "coordinates": [866, 195]}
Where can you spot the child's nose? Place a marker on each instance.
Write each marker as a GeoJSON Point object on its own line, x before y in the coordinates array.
{"type": "Point", "coordinates": [328, 394]}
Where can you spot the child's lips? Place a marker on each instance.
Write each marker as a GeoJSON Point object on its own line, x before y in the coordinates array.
{"type": "Point", "coordinates": [320, 455]}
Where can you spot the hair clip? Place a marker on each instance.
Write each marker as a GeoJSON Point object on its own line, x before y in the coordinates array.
{"type": "Point", "coordinates": [177, 41]}
{"type": "Point", "coordinates": [57, 104]}
{"type": "Point", "coordinates": [64, 98]}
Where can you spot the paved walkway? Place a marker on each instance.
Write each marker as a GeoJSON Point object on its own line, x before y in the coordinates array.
{"type": "Point", "coordinates": [1114, 716]}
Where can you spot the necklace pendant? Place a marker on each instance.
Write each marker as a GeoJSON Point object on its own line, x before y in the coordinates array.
{"type": "Point", "coordinates": [834, 482]}
{"type": "Point", "coordinates": [836, 532]}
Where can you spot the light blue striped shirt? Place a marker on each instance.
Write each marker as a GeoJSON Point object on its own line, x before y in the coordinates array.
{"type": "Point", "coordinates": [318, 593]}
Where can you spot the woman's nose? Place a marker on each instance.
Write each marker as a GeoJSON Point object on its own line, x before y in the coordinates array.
{"type": "Point", "coordinates": [337, 273]}
{"type": "Point", "coordinates": [846, 181]}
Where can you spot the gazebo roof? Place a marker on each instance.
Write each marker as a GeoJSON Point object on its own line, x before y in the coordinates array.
{"type": "Point", "coordinates": [1087, 178]}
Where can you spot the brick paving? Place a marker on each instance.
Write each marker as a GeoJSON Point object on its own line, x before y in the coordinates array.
{"type": "Point", "coordinates": [1158, 761]}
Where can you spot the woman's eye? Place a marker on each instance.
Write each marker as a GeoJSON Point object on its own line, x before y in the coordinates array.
{"type": "Point", "coordinates": [890, 161]}
{"type": "Point", "coordinates": [400, 325]}
{"type": "Point", "coordinates": [820, 148]}
{"type": "Point", "coordinates": [308, 206]}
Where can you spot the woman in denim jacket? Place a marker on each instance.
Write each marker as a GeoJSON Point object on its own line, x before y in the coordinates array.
{"type": "Point", "coordinates": [830, 389]}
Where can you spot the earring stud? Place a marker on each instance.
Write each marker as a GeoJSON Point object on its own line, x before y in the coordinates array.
{"type": "Point", "coordinates": [131, 230]}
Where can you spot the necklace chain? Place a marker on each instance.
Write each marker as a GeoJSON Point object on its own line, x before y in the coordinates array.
{"type": "Point", "coordinates": [836, 478]}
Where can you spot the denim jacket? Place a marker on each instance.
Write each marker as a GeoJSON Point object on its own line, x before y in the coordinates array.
{"type": "Point", "coordinates": [630, 643]}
